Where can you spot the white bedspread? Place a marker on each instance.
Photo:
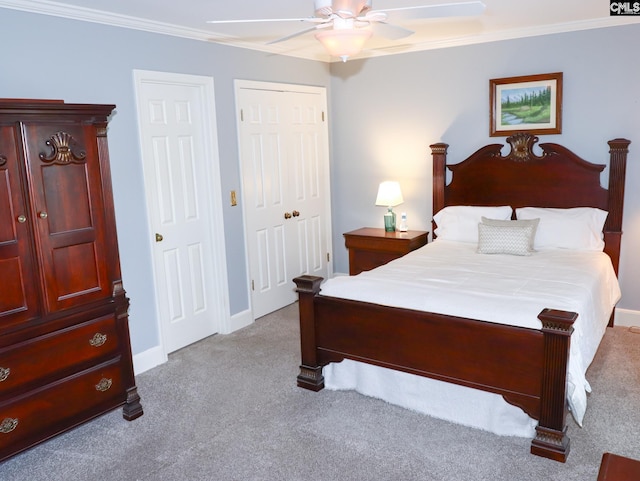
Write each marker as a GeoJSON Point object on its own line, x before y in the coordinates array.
{"type": "Point", "coordinates": [451, 278]}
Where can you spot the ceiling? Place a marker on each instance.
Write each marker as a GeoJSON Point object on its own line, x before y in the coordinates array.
{"type": "Point", "coordinates": [502, 19]}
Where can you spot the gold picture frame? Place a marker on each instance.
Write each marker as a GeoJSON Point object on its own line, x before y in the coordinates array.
{"type": "Point", "coordinates": [530, 103]}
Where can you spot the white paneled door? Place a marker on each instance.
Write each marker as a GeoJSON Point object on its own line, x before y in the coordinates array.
{"type": "Point", "coordinates": [283, 139]}
{"type": "Point", "coordinates": [180, 158]}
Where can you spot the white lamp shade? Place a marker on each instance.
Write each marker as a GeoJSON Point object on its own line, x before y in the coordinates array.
{"type": "Point", "coordinates": [343, 43]}
{"type": "Point", "coordinates": [389, 194]}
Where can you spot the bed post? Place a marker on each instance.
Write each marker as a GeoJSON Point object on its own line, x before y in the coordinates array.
{"type": "Point", "coordinates": [439, 153]}
{"type": "Point", "coordinates": [310, 376]}
{"type": "Point", "coordinates": [617, 168]}
{"type": "Point", "coordinates": [619, 148]}
{"type": "Point", "coordinates": [551, 439]}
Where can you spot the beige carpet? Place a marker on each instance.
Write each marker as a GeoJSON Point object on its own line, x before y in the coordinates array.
{"type": "Point", "coordinates": [227, 408]}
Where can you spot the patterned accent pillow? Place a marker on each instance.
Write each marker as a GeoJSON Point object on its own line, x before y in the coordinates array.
{"type": "Point", "coordinates": [513, 237]}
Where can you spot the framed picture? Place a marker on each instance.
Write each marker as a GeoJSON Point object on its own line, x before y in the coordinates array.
{"type": "Point", "coordinates": [532, 103]}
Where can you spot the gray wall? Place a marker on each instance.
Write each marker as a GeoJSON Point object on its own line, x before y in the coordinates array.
{"type": "Point", "coordinates": [386, 112]}
{"type": "Point", "coordinates": [50, 57]}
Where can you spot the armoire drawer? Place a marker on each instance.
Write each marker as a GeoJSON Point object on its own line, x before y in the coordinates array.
{"type": "Point", "coordinates": [43, 356]}
{"type": "Point", "coordinates": [60, 405]}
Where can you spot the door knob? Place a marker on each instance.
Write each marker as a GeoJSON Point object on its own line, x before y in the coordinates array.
{"type": "Point", "coordinates": [287, 215]}
{"type": "Point", "coordinates": [295, 213]}
{"type": "Point", "coordinates": [159, 237]}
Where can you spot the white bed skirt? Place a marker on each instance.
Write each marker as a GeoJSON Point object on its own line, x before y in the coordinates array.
{"type": "Point", "coordinates": [458, 404]}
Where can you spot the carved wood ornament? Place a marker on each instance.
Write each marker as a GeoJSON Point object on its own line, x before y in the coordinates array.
{"type": "Point", "coordinates": [64, 150]}
{"type": "Point", "coordinates": [522, 148]}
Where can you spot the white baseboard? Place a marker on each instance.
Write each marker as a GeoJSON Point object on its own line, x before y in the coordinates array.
{"type": "Point", "coordinates": [238, 321]}
{"type": "Point", "coordinates": [155, 356]}
{"type": "Point", "coordinates": [626, 318]}
{"type": "Point", "coordinates": [148, 359]}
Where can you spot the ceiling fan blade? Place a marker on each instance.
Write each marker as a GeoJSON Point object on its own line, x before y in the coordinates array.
{"type": "Point", "coordinates": [263, 20]}
{"type": "Point", "coordinates": [459, 9]}
{"type": "Point", "coordinates": [296, 34]}
{"type": "Point", "coordinates": [392, 32]}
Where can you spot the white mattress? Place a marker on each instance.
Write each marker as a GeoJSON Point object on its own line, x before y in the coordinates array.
{"type": "Point", "coordinates": [451, 278]}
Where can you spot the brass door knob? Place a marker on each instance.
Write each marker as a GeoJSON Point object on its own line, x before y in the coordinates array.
{"type": "Point", "coordinates": [295, 213]}
{"type": "Point", "coordinates": [287, 215]}
{"type": "Point", "coordinates": [159, 237]}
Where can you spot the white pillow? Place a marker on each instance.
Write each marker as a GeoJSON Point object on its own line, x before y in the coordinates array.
{"type": "Point", "coordinates": [513, 237]}
{"type": "Point", "coordinates": [460, 222]}
{"type": "Point", "coordinates": [576, 228]}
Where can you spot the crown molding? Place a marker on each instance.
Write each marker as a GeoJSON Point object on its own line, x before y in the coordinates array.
{"type": "Point", "coordinates": [47, 7]}
{"type": "Point", "coordinates": [511, 34]}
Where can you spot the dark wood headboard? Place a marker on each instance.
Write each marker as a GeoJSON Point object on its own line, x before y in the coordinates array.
{"type": "Point", "coordinates": [554, 178]}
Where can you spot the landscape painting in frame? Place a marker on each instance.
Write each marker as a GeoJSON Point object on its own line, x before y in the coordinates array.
{"type": "Point", "coordinates": [531, 103]}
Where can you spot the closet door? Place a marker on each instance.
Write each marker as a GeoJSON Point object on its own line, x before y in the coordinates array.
{"type": "Point", "coordinates": [68, 212]}
{"type": "Point", "coordinates": [284, 154]}
{"type": "Point", "coordinates": [19, 299]}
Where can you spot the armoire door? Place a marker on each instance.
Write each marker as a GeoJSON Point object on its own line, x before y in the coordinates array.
{"type": "Point", "coordinates": [19, 301]}
{"type": "Point", "coordinates": [284, 160]}
{"type": "Point", "coordinates": [67, 208]}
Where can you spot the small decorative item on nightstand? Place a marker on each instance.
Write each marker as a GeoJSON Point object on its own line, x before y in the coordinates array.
{"type": "Point", "coordinates": [389, 195]}
{"type": "Point", "coordinates": [403, 227]}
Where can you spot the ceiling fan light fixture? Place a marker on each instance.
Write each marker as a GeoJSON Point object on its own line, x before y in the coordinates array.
{"type": "Point", "coordinates": [343, 43]}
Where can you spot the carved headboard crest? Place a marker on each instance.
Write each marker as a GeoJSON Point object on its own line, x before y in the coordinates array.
{"type": "Point", "coordinates": [522, 148]}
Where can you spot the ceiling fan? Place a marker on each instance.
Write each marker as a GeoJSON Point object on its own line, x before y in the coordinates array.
{"type": "Point", "coordinates": [343, 26]}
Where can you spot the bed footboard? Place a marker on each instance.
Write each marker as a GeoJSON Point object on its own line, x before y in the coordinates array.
{"type": "Point", "coordinates": [528, 367]}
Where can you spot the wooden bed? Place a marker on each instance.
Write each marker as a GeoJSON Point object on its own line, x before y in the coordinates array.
{"type": "Point", "coordinates": [533, 362]}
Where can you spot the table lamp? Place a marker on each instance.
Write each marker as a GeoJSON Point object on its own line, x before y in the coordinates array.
{"type": "Point", "coordinates": [389, 195]}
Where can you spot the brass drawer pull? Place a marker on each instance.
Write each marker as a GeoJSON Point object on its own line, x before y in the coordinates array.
{"type": "Point", "coordinates": [104, 384]}
{"type": "Point", "coordinates": [8, 425]}
{"type": "Point", "coordinates": [98, 339]}
{"type": "Point", "coordinates": [4, 373]}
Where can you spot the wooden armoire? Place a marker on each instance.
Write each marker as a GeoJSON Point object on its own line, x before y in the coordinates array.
{"type": "Point", "coordinates": [65, 355]}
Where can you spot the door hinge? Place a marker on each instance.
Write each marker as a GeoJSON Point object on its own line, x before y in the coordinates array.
{"type": "Point", "coordinates": [323, 115]}
{"type": "Point", "coordinates": [328, 257]}
{"type": "Point", "coordinates": [253, 286]}
{"type": "Point", "coordinates": [241, 115]}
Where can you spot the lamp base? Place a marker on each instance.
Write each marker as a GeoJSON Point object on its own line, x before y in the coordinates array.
{"type": "Point", "coordinates": [390, 221]}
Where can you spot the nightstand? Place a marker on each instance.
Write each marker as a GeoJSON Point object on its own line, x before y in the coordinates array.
{"type": "Point", "coordinates": [370, 247]}
{"type": "Point", "coordinates": [618, 468]}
